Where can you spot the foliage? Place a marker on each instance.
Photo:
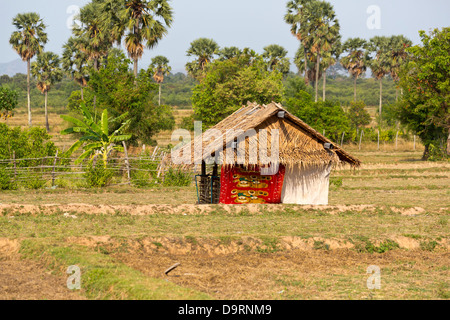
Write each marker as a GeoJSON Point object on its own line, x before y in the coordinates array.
{"type": "Point", "coordinates": [96, 138]}
{"type": "Point", "coordinates": [358, 114]}
{"type": "Point", "coordinates": [323, 116]}
{"type": "Point", "coordinates": [232, 83]}
{"type": "Point", "coordinates": [28, 40]}
{"type": "Point", "coordinates": [98, 175]}
{"type": "Point", "coordinates": [275, 57]}
{"type": "Point", "coordinates": [29, 143]}
{"type": "Point", "coordinates": [8, 102]}
{"type": "Point", "coordinates": [177, 178]}
{"type": "Point", "coordinates": [143, 23]}
{"type": "Point", "coordinates": [120, 92]}
{"type": "Point", "coordinates": [204, 50]}
{"type": "Point", "coordinates": [425, 80]}
{"type": "Point", "coordinates": [47, 71]}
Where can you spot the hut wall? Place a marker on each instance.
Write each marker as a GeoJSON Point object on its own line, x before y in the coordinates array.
{"type": "Point", "coordinates": [306, 185]}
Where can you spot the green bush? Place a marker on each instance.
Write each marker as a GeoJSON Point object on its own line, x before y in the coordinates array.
{"type": "Point", "coordinates": [6, 180]}
{"type": "Point", "coordinates": [177, 178]}
{"type": "Point", "coordinates": [97, 175]}
{"type": "Point", "coordinates": [33, 180]}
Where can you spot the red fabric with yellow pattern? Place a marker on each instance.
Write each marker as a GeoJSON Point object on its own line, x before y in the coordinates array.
{"type": "Point", "coordinates": [242, 186]}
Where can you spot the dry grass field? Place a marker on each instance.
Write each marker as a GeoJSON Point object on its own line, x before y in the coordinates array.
{"type": "Point", "coordinates": [393, 213]}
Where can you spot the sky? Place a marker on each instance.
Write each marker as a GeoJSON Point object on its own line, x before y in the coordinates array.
{"type": "Point", "coordinates": [242, 23]}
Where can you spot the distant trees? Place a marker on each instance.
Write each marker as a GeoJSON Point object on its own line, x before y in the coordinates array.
{"type": "Point", "coordinates": [28, 40]}
{"type": "Point", "coordinates": [161, 68]}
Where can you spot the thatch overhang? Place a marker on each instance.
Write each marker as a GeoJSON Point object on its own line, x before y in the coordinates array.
{"type": "Point", "coordinates": [298, 142]}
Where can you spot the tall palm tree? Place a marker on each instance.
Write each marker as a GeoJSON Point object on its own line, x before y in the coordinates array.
{"type": "Point", "coordinates": [27, 41]}
{"type": "Point", "coordinates": [146, 23]}
{"type": "Point", "coordinates": [205, 50]}
{"type": "Point", "coordinates": [296, 18]}
{"type": "Point", "coordinates": [47, 71]}
{"type": "Point", "coordinates": [399, 56]}
{"type": "Point", "coordinates": [92, 37]}
{"type": "Point", "coordinates": [322, 19]}
{"type": "Point", "coordinates": [330, 58]}
{"type": "Point", "coordinates": [275, 56]}
{"type": "Point", "coordinates": [355, 59]}
{"type": "Point", "coordinates": [380, 63]}
{"type": "Point", "coordinates": [160, 65]}
{"type": "Point", "coordinates": [76, 63]}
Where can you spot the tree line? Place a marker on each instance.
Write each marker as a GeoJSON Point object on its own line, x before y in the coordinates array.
{"type": "Point", "coordinates": [226, 77]}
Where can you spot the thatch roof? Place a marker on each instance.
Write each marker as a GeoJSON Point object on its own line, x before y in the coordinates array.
{"type": "Point", "coordinates": [298, 142]}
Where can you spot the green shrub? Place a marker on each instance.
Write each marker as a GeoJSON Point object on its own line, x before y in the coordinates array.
{"type": "Point", "coordinates": [98, 176]}
{"type": "Point", "coordinates": [33, 180]}
{"type": "Point", "coordinates": [6, 180]}
{"type": "Point", "coordinates": [177, 178]}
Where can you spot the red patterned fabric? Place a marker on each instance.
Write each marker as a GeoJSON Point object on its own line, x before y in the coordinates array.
{"type": "Point", "coordinates": [241, 186]}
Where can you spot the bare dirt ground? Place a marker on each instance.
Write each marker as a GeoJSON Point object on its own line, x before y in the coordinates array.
{"type": "Point", "coordinates": [186, 209]}
{"type": "Point", "coordinates": [27, 280]}
{"type": "Point", "coordinates": [294, 269]}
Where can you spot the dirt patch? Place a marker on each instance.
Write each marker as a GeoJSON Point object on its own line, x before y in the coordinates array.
{"type": "Point", "coordinates": [70, 210]}
{"type": "Point", "coordinates": [27, 280]}
{"type": "Point", "coordinates": [297, 274]}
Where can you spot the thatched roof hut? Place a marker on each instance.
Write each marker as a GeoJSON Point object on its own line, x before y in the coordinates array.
{"type": "Point", "coordinates": [305, 154]}
{"type": "Point", "coordinates": [298, 142]}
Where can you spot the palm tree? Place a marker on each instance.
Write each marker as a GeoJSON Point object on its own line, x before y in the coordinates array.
{"type": "Point", "coordinates": [204, 49]}
{"type": "Point", "coordinates": [275, 56]}
{"type": "Point", "coordinates": [308, 67]}
{"type": "Point", "coordinates": [160, 65]}
{"type": "Point", "coordinates": [355, 60]}
{"type": "Point", "coordinates": [381, 62]}
{"type": "Point", "coordinates": [330, 58]}
{"type": "Point", "coordinates": [322, 19]}
{"type": "Point", "coordinates": [398, 45]}
{"type": "Point", "coordinates": [76, 63]}
{"type": "Point", "coordinates": [27, 41]}
{"type": "Point", "coordinates": [92, 37]}
{"type": "Point", "coordinates": [46, 69]}
{"type": "Point", "coordinates": [96, 138]}
{"type": "Point", "coordinates": [297, 18]}
{"type": "Point", "coordinates": [146, 22]}
{"type": "Point", "coordinates": [229, 53]}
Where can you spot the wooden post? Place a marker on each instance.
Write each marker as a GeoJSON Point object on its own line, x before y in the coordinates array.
{"type": "Point", "coordinates": [15, 166]}
{"type": "Point", "coordinates": [378, 143]}
{"type": "Point", "coordinates": [396, 140]}
{"type": "Point", "coordinates": [127, 162]}
{"type": "Point", "coordinates": [414, 142]}
{"type": "Point", "coordinates": [360, 139]}
{"type": "Point", "coordinates": [342, 139]}
{"type": "Point", "coordinates": [161, 165]}
{"type": "Point", "coordinates": [54, 167]}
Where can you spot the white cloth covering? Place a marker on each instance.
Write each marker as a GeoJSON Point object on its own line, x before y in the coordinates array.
{"type": "Point", "coordinates": [306, 185]}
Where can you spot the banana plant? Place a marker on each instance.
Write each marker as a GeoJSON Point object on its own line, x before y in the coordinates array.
{"type": "Point", "coordinates": [96, 139]}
